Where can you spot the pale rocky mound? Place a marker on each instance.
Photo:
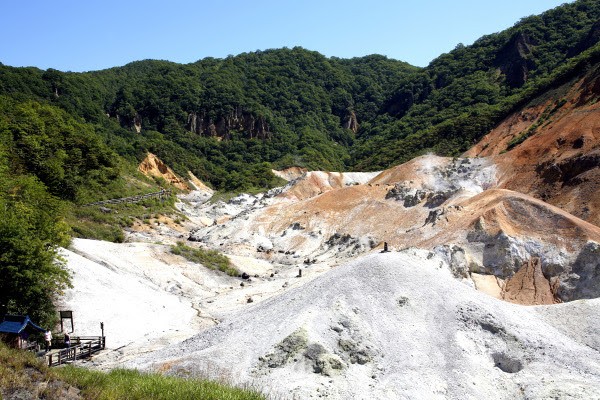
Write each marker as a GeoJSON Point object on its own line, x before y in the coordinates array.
{"type": "Point", "coordinates": [397, 326]}
{"type": "Point", "coordinates": [194, 198]}
{"type": "Point", "coordinates": [558, 160]}
{"type": "Point", "coordinates": [199, 185]}
{"type": "Point", "coordinates": [153, 166]}
{"type": "Point", "coordinates": [497, 231]}
{"type": "Point", "coordinates": [146, 297]}
{"type": "Point", "coordinates": [314, 183]}
{"type": "Point", "coordinates": [324, 216]}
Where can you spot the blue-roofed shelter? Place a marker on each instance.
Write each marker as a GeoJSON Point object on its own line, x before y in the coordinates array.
{"type": "Point", "coordinates": [16, 329]}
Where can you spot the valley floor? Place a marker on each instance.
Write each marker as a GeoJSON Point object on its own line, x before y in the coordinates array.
{"type": "Point", "coordinates": [327, 313]}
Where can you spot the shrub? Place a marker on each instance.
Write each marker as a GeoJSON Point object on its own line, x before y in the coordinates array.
{"type": "Point", "coordinates": [211, 259]}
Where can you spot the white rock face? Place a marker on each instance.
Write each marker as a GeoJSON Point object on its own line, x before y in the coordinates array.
{"type": "Point", "coordinates": [397, 326]}
{"type": "Point", "coordinates": [145, 296]}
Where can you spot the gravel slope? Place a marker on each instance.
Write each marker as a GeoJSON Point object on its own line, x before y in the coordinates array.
{"type": "Point", "coordinates": [396, 326]}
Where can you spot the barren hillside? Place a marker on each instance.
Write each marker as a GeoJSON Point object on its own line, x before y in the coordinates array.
{"type": "Point", "coordinates": [555, 154]}
{"type": "Point", "coordinates": [397, 325]}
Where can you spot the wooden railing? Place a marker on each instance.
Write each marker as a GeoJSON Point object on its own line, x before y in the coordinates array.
{"type": "Point", "coordinates": [133, 199]}
{"type": "Point", "coordinates": [82, 347]}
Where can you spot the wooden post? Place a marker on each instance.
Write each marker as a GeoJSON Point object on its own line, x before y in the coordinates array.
{"type": "Point", "coordinates": [68, 314]}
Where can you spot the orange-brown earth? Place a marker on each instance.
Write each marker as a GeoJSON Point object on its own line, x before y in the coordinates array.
{"type": "Point", "coordinates": [530, 286]}
{"type": "Point", "coordinates": [447, 206]}
{"type": "Point", "coordinates": [559, 162]}
{"type": "Point", "coordinates": [153, 166]}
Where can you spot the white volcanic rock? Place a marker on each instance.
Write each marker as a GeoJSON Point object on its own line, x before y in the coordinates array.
{"type": "Point", "coordinates": [406, 324]}
{"type": "Point", "coordinates": [145, 296]}
{"type": "Point", "coordinates": [397, 326]}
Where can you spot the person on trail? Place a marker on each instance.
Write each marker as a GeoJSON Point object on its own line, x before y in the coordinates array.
{"type": "Point", "coordinates": [67, 340]}
{"type": "Point", "coordinates": [48, 339]}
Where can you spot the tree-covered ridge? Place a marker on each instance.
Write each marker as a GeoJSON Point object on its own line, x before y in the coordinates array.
{"type": "Point", "coordinates": [461, 95]}
{"type": "Point", "coordinates": [224, 118]}
{"type": "Point", "coordinates": [64, 154]}
{"type": "Point", "coordinates": [230, 120]}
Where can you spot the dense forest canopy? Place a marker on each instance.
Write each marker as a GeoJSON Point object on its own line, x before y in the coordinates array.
{"type": "Point", "coordinates": [71, 138]}
{"type": "Point", "coordinates": [224, 118]}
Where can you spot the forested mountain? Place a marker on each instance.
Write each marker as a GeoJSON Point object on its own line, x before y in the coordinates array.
{"type": "Point", "coordinates": [223, 119]}
{"type": "Point", "coordinates": [461, 95]}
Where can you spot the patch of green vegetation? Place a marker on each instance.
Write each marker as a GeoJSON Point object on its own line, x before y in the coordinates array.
{"type": "Point", "coordinates": [135, 385]}
{"type": "Point", "coordinates": [211, 259]}
{"type": "Point", "coordinates": [105, 222]}
{"type": "Point", "coordinates": [22, 375]}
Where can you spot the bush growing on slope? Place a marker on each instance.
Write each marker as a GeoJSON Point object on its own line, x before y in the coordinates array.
{"type": "Point", "coordinates": [211, 259]}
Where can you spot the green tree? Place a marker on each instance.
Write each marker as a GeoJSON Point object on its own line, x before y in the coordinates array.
{"type": "Point", "coordinates": [31, 232]}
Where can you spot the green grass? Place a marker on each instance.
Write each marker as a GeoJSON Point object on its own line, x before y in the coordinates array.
{"type": "Point", "coordinates": [222, 196]}
{"type": "Point", "coordinates": [92, 223]}
{"type": "Point", "coordinates": [22, 375]}
{"type": "Point", "coordinates": [133, 385]}
{"type": "Point", "coordinates": [20, 370]}
{"type": "Point", "coordinates": [209, 258]}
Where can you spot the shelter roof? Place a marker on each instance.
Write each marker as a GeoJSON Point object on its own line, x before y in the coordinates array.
{"type": "Point", "coordinates": [19, 323]}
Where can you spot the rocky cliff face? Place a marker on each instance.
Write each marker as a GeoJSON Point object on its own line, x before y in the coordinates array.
{"type": "Point", "coordinates": [351, 122]}
{"type": "Point", "coordinates": [132, 123]}
{"type": "Point", "coordinates": [222, 126]}
{"type": "Point", "coordinates": [514, 59]}
{"type": "Point", "coordinates": [530, 286]}
{"type": "Point", "coordinates": [153, 166]}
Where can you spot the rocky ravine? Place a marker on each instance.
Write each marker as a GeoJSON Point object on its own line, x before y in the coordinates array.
{"type": "Point", "coordinates": [449, 206]}
{"type": "Point", "coordinates": [318, 316]}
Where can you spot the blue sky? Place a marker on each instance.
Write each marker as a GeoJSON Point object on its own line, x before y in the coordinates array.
{"type": "Point", "coordinates": [84, 35]}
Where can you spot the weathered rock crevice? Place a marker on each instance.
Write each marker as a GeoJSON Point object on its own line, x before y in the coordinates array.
{"type": "Point", "coordinates": [530, 286]}
{"type": "Point", "coordinates": [351, 122]}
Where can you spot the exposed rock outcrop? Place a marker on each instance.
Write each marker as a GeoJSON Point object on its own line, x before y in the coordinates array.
{"type": "Point", "coordinates": [351, 122]}
{"type": "Point", "coordinates": [137, 122]}
{"type": "Point", "coordinates": [514, 59]}
{"type": "Point", "coordinates": [291, 173]}
{"type": "Point", "coordinates": [222, 126]}
{"type": "Point", "coordinates": [529, 286]}
{"type": "Point", "coordinates": [153, 166]}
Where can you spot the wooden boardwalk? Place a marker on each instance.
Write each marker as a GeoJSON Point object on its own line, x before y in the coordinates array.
{"type": "Point", "coordinates": [82, 347]}
{"type": "Point", "coordinates": [133, 199]}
